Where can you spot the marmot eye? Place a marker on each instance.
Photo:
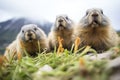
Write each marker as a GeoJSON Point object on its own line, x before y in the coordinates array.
{"type": "Point", "coordinates": [86, 13]}
{"type": "Point", "coordinates": [22, 31]}
{"type": "Point", "coordinates": [66, 17]}
{"type": "Point", "coordinates": [35, 29]}
{"type": "Point", "coordinates": [102, 11]}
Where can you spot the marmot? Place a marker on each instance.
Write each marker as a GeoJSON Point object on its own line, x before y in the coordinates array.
{"type": "Point", "coordinates": [62, 28]}
{"type": "Point", "coordinates": [95, 30]}
{"type": "Point", "coordinates": [31, 39]}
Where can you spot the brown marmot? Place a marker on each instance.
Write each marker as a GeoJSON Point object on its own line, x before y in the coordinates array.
{"type": "Point", "coordinates": [95, 30]}
{"type": "Point", "coordinates": [31, 39]}
{"type": "Point", "coordinates": [62, 28]}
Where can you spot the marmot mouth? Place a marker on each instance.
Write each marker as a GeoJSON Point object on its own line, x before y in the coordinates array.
{"type": "Point", "coordinates": [60, 25]}
{"type": "Point", "coordinates": [95, 21]}
{"type": "Point", "coordinates": [30, 39]}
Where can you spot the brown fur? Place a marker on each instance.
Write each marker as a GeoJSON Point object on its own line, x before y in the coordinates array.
{"type": "Point", "coordinates": [20, 47]}
{"type": "Point", "coordinates": [100, 38]}
{"type": "Point", "coordinates": [11, 50]}
{"type": "Point", "coordinates": [65, 34]}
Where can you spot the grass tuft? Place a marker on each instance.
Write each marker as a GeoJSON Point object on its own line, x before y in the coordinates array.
{"type": "Point", "coordinates": [66, 66]}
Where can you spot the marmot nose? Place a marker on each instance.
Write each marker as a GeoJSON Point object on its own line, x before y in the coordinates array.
{"type": "Point", "coordinates": [60, 20]}
{"type": "Point", "coordinates": [95, 15]}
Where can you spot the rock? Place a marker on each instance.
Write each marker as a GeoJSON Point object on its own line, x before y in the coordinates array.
{"type": "Point", "coordinates": [38, 75]}
{"type": "Point", "coordinates": [115, 76]}
{"type": "Point", "coordinates": [46, 68]}
{"type": "Point", "coordinates": [105, 55]}
{"type": "Point", "coordinates": [115, 63]}
{"type": "Point", "coordinates": [114, 66]}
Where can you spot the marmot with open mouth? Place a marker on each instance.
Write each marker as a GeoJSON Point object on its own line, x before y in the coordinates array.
{"type": "Point", "coordinates": [95, 30]}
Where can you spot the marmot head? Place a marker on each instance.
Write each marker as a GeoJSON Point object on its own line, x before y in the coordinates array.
{"type": "Point", "coordinates": [94, 18]}
{"type": "Point", "coordinates": [30, 33]}
{"type": "Point", "coordinates": [62, 22]}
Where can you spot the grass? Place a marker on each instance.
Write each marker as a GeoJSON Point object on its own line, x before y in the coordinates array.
{"type": "Point", "coordinates": [63, 66]}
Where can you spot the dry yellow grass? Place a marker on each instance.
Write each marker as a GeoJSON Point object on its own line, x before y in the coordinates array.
{"type": "Point", "coordinates": [60, 47]}
{"type": "Point", "coordinates": [77, 43]}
